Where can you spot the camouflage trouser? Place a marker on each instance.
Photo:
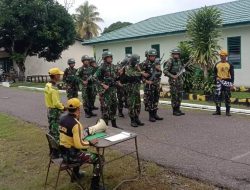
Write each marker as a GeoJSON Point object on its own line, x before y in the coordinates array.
{"type": "Point", "coordinates": [90, 158]}
{"type": "Point", "coordinates": [83, 157]}
{"type": "Point", "coordinates": [176, 91]}
{"type": "Point", "coordinates": [151, 97]}
{"type": "Point", "coordinates": [121, 96]}
{"type": "Point", "coordinates": [53, 119]}
{"type": "Point", "coordinates": [72, 91]}
{"type": "Point", "coordinates": [134, 100]}
{"type": "Point", "coordinates": [145, 98]}
{"type": "Point", "coordinates": [220, 92]}
{"type": "Point", "coordinates": [108, 103]}
{"type": "Point", "coordinates": [93, 94]}
{"type": "Point", "coordinates": [86, 98]}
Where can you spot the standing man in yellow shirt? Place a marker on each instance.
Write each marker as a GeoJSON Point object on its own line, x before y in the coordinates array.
{"type": "Point", "coordinates": [224, 78]}
{"type": "Point", "coordinates": [53, 102]}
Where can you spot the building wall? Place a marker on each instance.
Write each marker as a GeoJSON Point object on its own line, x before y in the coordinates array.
{"type": "Point", "coordinates": [167, 43]}
{"type": "Point", "coordinates": [39, 66]}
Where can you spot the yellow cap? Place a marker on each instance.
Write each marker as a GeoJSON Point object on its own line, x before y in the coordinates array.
{"type": "Point", "coordinates": [55, 71]}
{"type": "Point", "coordinates": [73, 103]}
{"type": "Point", "coordinates": [223, 53]}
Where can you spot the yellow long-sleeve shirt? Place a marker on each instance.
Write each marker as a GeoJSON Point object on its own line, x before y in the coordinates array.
{"type": "Point", "coordinates": [71, 133]}
{"type": "Point", "coordinates": [52, 97]}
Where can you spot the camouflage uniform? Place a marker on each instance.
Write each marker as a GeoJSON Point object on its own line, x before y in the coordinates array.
{"type": "Point", "coordinates": [133, 79]}
{"type": "Point", "coordinates": [53, 119]}
{"type": "Point", "coordinates": [152, 91]}
{"type": "Point", "coordinates": [107, 74]}
{"type": "Point", "coordinates": [83, 74]}
{"type": "Point", "coordinates": [173, 67]}
{"type": "Point", "coordinates": [121, 90]}
{"type": "Point", "coordinates": [71, 82]}
{"type": "Point", "coordinates": [93, 88]}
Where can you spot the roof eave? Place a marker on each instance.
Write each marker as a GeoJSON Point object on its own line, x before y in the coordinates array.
{"type": "Point", "coordinates": [159, 34]}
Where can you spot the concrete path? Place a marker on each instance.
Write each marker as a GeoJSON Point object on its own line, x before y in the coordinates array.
{"type": "Point", "coordinates": [210, 148]}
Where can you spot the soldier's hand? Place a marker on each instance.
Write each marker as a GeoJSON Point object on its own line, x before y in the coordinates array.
{"type": "Point", "coordinates": [158, 67]}
{"type": "Point", "coordinates": [149, 82]}
{"type": "Point", "coordinates": [145, 74]}
{"type": "Point", "coordinates": [175, 77]}
{"type": "Point", "coordinates": [105, 86]}
{"type": "Point", "coordinates": [93, 142]}
{"type": "Point", "coordinates": [120, 71]}
{"type": "Point", "coordinates": [119, 83]}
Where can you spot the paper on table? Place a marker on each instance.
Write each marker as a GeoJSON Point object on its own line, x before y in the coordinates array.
{"type": "Point", "coordinates": [120, 136]}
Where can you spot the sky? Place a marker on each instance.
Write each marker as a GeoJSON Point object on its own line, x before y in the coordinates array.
{"type": "Point", "coordinates": [137, 10]}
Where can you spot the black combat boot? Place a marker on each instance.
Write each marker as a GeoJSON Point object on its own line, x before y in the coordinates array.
{"type": "Point", "coordinates": [218, 111]}
{"type": "Point", "coordinates": [175, 112]}
{"type": "Point", "coordinates": [228, 111]}
{"type": "Point", "coordinates": [156, 116]}
{"type": "Point", "coordinates": [113, 122]}
{"type": "Point", "coordinates": [95, 184]}
{"type": "Point", "coordinates": [133, 122]}
{"type": "Point", "coordinates": [138, 121]}
{"type": "Point", "coordinates": [151, 116]}
{"type": "Point", "coordinates": [87, 114]}
{"type": "Point", "coordinates": [179, 110]}
{"type": "Point", "coordinates": [92, 114]}
{"type": "Point", "coordinates": [77, 174]}
{"type": "Point", "coordinates": [106, 121]}
{"type": "Point", "coordinates": [95, 108]}
{"type": "Point", "coordinates": [120, 113]}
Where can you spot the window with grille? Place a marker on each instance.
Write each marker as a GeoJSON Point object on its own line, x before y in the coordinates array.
{"type": "Point", "coordinates": [234, 51]}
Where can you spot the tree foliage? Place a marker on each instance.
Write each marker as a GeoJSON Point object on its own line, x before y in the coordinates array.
{"type": "Point", "coordinates": [204, 30]}
{"type": "Point", "coordinates": [116, 26]}
{"type": "Point", "coordinates": [34, 27]}
{"type": "Point", "coordinates": [86, 19]}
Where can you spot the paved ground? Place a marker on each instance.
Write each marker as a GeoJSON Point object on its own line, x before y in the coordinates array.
{"type": "Point", "coordinates": [198, 145]}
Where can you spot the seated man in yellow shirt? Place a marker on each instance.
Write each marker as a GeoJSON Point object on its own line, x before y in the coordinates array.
{"type": "Point", "coordinates": [73, 147]}
{"type": "Point", "coordinates": [53, 102]}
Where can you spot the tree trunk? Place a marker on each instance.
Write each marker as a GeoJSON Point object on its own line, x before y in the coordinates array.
{"type": "Point", "coordinates": [21, 75]}
{"type": "Point", "coordinates": [205, 71]}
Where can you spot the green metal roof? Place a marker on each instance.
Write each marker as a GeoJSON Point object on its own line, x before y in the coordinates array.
{"type": "Point", "coordinates": [233, 13]}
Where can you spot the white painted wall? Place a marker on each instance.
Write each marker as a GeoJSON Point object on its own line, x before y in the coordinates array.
{"type": "Point", "coordinates": [39, 66]}
{"type": "Point", "coordinates": [167, 43]}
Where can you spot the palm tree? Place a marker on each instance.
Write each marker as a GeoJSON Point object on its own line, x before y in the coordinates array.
{"type": "Point", "coordinates": [86, 19]}
{"type": "Point", "coordinates": [204, 30]}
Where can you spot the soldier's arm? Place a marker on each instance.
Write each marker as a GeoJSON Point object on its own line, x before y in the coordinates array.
{"type": "Point", "coordinates": [167, 69]}
{"type": "Point", "coordinates": [65, 75]}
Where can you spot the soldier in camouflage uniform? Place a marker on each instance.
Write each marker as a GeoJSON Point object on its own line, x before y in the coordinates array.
{"type": "Point", "coordinates": [93, 67]}
{"type": "Point", "coordinates": [106, 76]}
{"type": "Point", "coordinates": [141, 65]}
{"type": "Point", "coordinates": [69, 78]}
{"type": "Point", "coordinates": [84, 74]}
{"type": "Point", "coordinates": [133, 78]}
{"type": "Point", "coordinates": [151, 78]}
{"type": "Point", "coordinates": [171, 69]}
{"type": "Point", "coordinates": [121, 90]}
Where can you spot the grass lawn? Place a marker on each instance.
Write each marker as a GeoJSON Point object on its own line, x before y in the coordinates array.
{"type": "Point", "coordinates": [29, 84]}
{"type": "Point", "coordinates": [241, 95]}
{"type": "Point", "coordinates": [24, 158]}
